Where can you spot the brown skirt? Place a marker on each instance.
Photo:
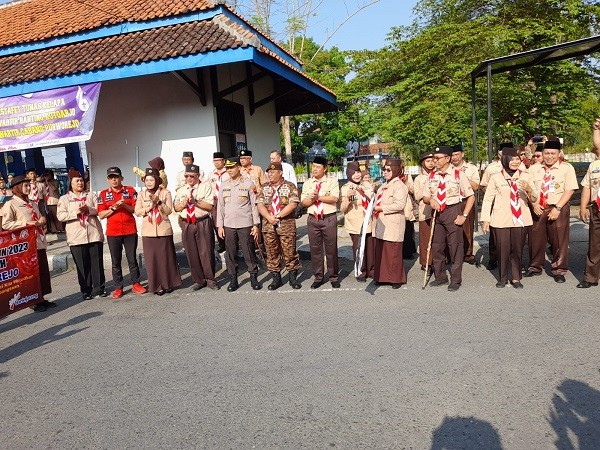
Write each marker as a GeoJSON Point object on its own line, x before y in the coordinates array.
{"type": "Point", "coordinates": [161, 263]}
{"type": "Point", "coordinates": [44, 270]}
{"type": "Point", "coordinates": [389, 265]}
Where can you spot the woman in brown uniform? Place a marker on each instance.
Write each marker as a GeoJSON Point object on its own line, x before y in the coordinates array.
{"type": "Point", "coordinates": [356, 195]}
{"type": "Point", "coordinates": [505, 208]}
{"type": "Point", "coordinates": [154, 206]}
{"type": "Point", "coordinates": [19, 212]}
{"type": "Point", "coordinates": [388, 214]}
{"type": "Point", "coordinates": [78, 209]}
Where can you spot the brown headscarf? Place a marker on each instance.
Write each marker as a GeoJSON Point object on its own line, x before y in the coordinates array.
{"type": "Point", "coordinates": [351, 169]}
{"type": "Point", "coordinates": [396, 165]}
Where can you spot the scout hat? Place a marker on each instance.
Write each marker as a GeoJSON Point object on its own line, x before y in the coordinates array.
{"type": "Point", "coordinates": [444, 149]}
{"type": "Point", "coordinates": [275, 166]}
{"type": "Point", "coordinates": [232, 162]}
{"type": "Point", "coordinates": [552, 144]}
{"type": "Point", "coordinates": [18, 180]}
{"type": "Point", "coordinates": [425, 155]}
{"type": "Point", "coordinates": [218, 155]}
{"type": "Point", "coordinates": [192, 168]}
{"type": "Point", "coordinates": [113, 171]}
{"type": "Point", "coordinates": [320, 160]}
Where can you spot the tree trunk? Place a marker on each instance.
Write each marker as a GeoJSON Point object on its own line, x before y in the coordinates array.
{"type": "Point", "coordinates": [287, 138]}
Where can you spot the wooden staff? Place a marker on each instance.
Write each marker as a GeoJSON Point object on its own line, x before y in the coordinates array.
{"type": "Point", "coordinates": [429, 249]}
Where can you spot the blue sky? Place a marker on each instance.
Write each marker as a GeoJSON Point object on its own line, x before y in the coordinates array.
{"type": "Point", "coordinates": [366, 30]}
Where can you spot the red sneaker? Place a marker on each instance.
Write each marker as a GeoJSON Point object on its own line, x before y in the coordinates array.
{"type": "Point", "coordinates": [138, 288]}
{"type": "Point", "coordinates": [117, 293]}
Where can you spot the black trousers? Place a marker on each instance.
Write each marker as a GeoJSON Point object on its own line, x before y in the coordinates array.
{"type": "Point", "coordinates": [240, 238]}
{"type": "Point", "coordinates": [90, 267]}
{"type": "Point", "coordinates": [116, 244]}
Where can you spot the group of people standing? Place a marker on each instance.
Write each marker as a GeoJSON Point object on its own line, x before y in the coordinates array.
{"type": "Point", "coordinates": [246, 208]}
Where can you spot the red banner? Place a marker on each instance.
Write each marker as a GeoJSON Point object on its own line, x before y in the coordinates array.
{"type": "Point", "coordinates": [19, 272]}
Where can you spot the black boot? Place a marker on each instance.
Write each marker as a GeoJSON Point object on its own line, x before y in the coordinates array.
{"type": "Point", "coordinates": [293, 280]}
{"type": "Point", "coordinates": [276, 283]}
{"type": "Point", "coordinates": [254, 282]}
{"type": "Point", "coordinates": [233, 284]}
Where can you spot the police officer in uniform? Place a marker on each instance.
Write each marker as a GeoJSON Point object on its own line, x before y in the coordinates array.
{"type": "Point", "coordinates": [194, 203]}
{"type": "Point", "coordinates": [237, 223]}
{"type": "Point", "coordinates": [443, 193]}
{"type": "Point", "coordinates": [277, 204]}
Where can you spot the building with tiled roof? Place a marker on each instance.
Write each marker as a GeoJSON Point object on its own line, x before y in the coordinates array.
{"type": "Point", "coordinates": [176, 75]}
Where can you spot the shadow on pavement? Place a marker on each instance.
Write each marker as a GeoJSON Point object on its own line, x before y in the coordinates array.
{"type": "Point", "coordinates": [465, 433]}
{"type": "Point", "coordinates": [575, 416]}
{"type": "Point", "coordinates": [45, 337]}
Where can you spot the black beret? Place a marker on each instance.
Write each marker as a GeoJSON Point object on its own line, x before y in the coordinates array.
{"type": "Point", "coordinates": [444, 149]}
{"type": "Point", "coordinates": [192, 168]}
{"type": "Point", "coordinates": [509, 151]}
{"type": "Point", "coordinates": [245, 152]}
{"type": "Point", "coordinates": [553, 144]}
{"type": "Point", "coordinates": [218, 155]}
{"type": "Point", "coordinates": [188, 155]}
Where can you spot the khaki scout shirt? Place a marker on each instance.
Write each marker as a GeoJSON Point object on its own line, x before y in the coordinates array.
{"type": "Point", "coordinates": [66, 211]}
{"type": "Point", "coordinates": [288, 193]}
{"type": "Point", "coordinates": [53, 190]}
{"type": "Point", "coordinates": [457, 186]}
{"type": "Point", "coordinates": [237, 204]}
{"type": "Point", "coordinates": [498, 195]}
{"type": "Point", "coordinates": [470, 170]}
{"type": "Point", "coordinates": [15, 214]}
{"type": "Point", "coordinates": [143, 206]}
{"type": "Point", "coordinates": [213, 177]}
{"type": "Point", "coordinates": [354, 214]}
{"type": "Point", "coordinates": [200, 191]}
{"type": "Point", "coordinates": [256, 174]}
{"type": "Point", "coordinates": [562, 178]}
{"type": "Point", "coordinates": [390, 223]}
{"type": "Point", "coordinates": [420, 182]}
{"type": "Point", "coordinates": [330, 186]}
{"type": "Point", "coordinates": [591, 180]}
{"type": "Point", "coordinates": [492, 168]}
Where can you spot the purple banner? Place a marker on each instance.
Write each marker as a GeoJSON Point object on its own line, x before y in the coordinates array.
{"type": "Point", "coordinates": [54, 117]}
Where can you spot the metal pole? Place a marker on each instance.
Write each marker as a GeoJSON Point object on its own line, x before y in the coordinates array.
{"type": "Point", "coordinates": [489, 111]}
{"type": "Point", "coordinates": [474, 131]}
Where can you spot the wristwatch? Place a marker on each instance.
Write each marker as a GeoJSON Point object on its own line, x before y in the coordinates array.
{"type": "Point", "coordinates": [465, 215]}
{"type": "Point", "coordinates": [558, 208]}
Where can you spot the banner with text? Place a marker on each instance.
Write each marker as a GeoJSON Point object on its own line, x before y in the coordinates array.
{"type": "Point", "coordinates": [55, 117]}
{"type": "Point", "coordinates": [19, 272]}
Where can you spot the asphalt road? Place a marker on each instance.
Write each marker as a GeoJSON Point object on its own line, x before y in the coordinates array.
{"type": "Point", "coordinates": [357, 367]}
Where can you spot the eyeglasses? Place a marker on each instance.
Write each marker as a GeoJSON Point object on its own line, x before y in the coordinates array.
{"type": "Point", "coordinates": [435, 158]}
{"type": "Point", "coordinates": [521, 154]}
{"type": "Point", "coordinates": [387, 170]}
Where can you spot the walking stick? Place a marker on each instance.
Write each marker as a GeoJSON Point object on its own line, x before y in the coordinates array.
{"type": "Point", "coordinates": [429, 249]}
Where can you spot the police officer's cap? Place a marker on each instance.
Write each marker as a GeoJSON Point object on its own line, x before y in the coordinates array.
{"type": "Point", "coordinates": [232, 162]}
{"type": "Point", "coordinates": [192, 168]}
{"type": "Point", "coordinates": [114, 171]}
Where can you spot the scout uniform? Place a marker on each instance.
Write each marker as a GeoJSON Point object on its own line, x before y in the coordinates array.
{"type": "Point", "coordinates": [254, 173]}
{"type": "Point", "coordinates": [37, 194]}
{"type": "Point", "coordinates": [472, 174]}
{"type": "Point", "coordinates": [322, 227]}
{"type": "Point", "coordinates": [5, 195]}
{"type": "Point", "coordinates": [424, 217]}
{"type": "Point", "coordinates": [121, 233]}
{"type": "Point", "coordinates": [549, 184]}
{"type": "Point", "coordinates": [52, 188]}
{"type": "Point", "coordinates": [85, 239]}
{"type": "Point", "coordinates": [449, 189]}
{"type": "Point", "coordinates": [237, 216]}
{"type": "Point", "coordinates": [492, 168]}
{"type": "Point", "coordinates": [216, 178]}
{"type": "Point", "coordinates": [591, 183]}
{"type": "Point", "coordinates": [197, 235]}
{"type": "Point", "coordinates": [180, 179]}
{"type": "Point", "coordinates": [354, 210]}
{"type": "Point", "coordinates": [280, 239]}
{"type": "Point", "coordinates": [505, 207]}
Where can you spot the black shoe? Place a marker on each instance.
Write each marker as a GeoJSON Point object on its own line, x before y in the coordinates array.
{"type": "Point", "coordinates": [586, 284]}
{"type": "Point", "coordinates": [531, 273]}
{"type": "Point", "coordinates": [470, 261]}
{"type": "Point", "coordinates": [559, 278]}
{"type": "Point", "coordinates": [336, 284]}
{"type": "Point", "coordinates": [276, 283]}
{"type": "Point", "coordinates": [40, 307]}
{"type": "Point", "coordinates": [453, 287]}
{"type": "Point", "coordinates": [168, 291]}
{"type": "Point", "coordinates": [102, 293]}
{"type": "Point", "coordinates": [161, 292]}
{"type": "Point", "coordinates": [233, 284]}
{"type": "Point", "coordinates": [254, 282]}
{"type": "Point", "coordinates": [213, 287]}
{"type": "Point", "coordinates": [317, 284]}
{"type": "Point", "coordinates": [361, 280]}
{"type": "Point", "coordinates": [87, 296]}
{"type": "Point", "coordinates": [48, 304]}
{"type": "Point", "coordinates": [435, 283]}
{"type": "Point", "coordinates": [517, 284]}
{"type": "Point", "coordinates": [500, 284]}
{"type": "Point", "coordinates": [492, 265]}
{"type": "Point", "coordinates": [396, 285]}
{"type": "Point", "coordinates": [294, 280]}
{"type": "Point", "coordinates": [197, 287]}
